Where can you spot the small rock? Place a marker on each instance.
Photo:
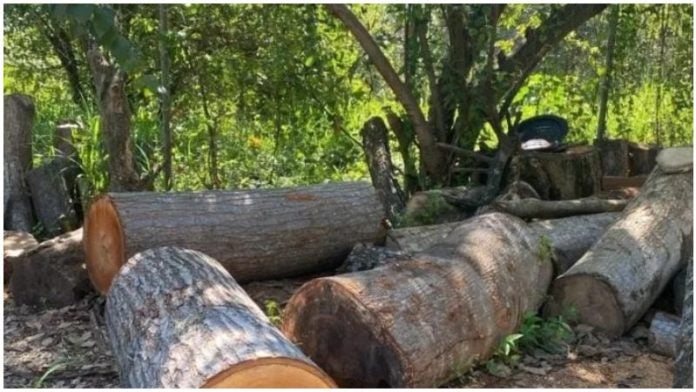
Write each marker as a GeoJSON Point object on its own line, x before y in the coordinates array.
{"type": "Point", "coordinates": [47, 341]}
{"type": "Point", "coordinates": [587, 350]}
{"type": "Point", "coordinates": [572, 356]}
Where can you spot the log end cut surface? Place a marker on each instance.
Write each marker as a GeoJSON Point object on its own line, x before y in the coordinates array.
{"type": "Point", "coordinates": [271, 373]}
{"type": "Point", "coordinates": [104, 243]}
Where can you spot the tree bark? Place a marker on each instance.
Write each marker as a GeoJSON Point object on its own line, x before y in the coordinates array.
{"type": "Point", "coordinates": [51, 196]}
{"type": "Point", "coordinates": [550, 209]}
{"type": "Point", "coordinates": [256, 234]}
{"type": "Point", "coordinates": [664, 332]}
{"type": "Point", "coordinates": [165, 98]}
{"type": "Point", "coordinates": [419, 322]}
{"type": "Point", "coordinates": [376, 147]}
{"type": "Point", "coordinates": [51, 274]}
{"type": "Point", "coordinates": [14, 244]}
{"type": "Point", "coordinates": [615, 182]}
{"type": "Point", "coordinates": [614, 157]}
{"type": "Point", "coordinates": [684, 363]}
{"type": "Point", "coordinates": [177, 319]}
{"type": "Point", "coordinates": [618, 279]}
{"type": "Point", "coordinates": [18, 122]}
{"type": "Point", "coordinates": [608, 68]}
{"type": "Point", "coordinates": [642, 158]}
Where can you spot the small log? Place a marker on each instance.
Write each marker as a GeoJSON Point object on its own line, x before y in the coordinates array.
{"type": "Point", "coordinates": [51, 196]}
{"type": "Point", "coordinates": [256, 234]}
{"type": "Point", "coordinates": [618, 279]}
{"type": "Point", "coordinates": [615, 182]}
{"type": "Point", "coordinates": [641, 158]}
{"type": "Point", "coordinates": [18, 121]}
{"type": "Point", "coordinates": [421, 321]}
{"type": "Point", "coordinates": [51, 274]}
{"type": "Point", "coordinates": [14, 244]}
{"type": "Point", "coordinates": [684, 363]}
{"type": "Point", "coordinates": [664, 332]}
{"type": "Point", "coordinates": [176, 319]}
{"type": "Point", "coordinates": [570, 174]}
{"type": "Point", "coordinates": [614, 157]}
{"type": "Point", "coordinates": [547, 209]}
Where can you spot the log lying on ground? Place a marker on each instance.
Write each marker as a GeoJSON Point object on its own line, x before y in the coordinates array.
{"type": "Point", "coordinates": [51, 196]}
{"type": "Point", "coordinates": [684, 364]}
{"type": "Point", "coordinates": [569, 238]}
{"type": "Point", "coordinates": [546, 209]}
{"type": "Point", "coordinates": [256, 234]}
{"type": "Point", "coordinates": [176, 319]}
{"type": "Point", "coordinates": [618, 279]}
{"type": "Point", "coordinates": [18, 121]}
{"type": "Point", "coordinates": [664, 332]}
{"type": "Point", "coordinates": [51, 274]}
{"type": "Point", "coordinates": [14, 244]}
{"type": "Point", "coordinates": [418, 322]}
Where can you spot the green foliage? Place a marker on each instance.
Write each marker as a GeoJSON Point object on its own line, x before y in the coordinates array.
{"type": "Point", "coordinates": [58, 365]}
{"type": "Point", "coordinates": [273, 312]}
{"type": "Point", "coordinates": [434, 206]}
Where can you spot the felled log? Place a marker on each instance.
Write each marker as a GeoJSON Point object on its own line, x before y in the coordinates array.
{"type": "Point", "coordinates": [684, 363]}
{"type": "Point", "coordinates": [18, 121]}
{"type": "Point", "coordinates": [14, 244]}
{"type": "Point", "coordinates": [51, 274]}
{"type": "Point", "coordinates": [177, 319]}
{"type": "Point", "coordinates": [549, 209]}
{"type": "Point", "coordinates": [614, 157]}
{"type": "Point", "coordinates": [570, 174]}
{"type": "Point", "coordinates": [51, 196]}
{"type": "Point", "coordinates": [664, 332]}
{"type": "Point", "coordinates": [421, 321]}
{"type": "Point", "coordinates": [256, 234]}
{"type": "Point", "coordinates": [569, 238]}
{"type": "Point", "coordinates": [641, 158]}
{"type": "Point", "coordinates": [617, 182]}
{"type": "Point", "coordinates": [618, 279]}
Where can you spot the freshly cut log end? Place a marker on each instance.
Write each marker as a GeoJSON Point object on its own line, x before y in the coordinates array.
{"type": "Point", "coordinates": [271, 373]}
{"type": "Point", "coordinates": [104, 243]}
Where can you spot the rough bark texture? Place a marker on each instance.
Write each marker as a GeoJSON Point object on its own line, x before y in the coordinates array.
{"type": "Point", "coordinates": [14, 244]}
{"type": "Point", "coordinates": [571, 174]}
{"type": "Point", "coordinates": [365, 257]}
{"type": "Point", "coordinates": [642, 158]}
{"type": "Point", "coordinates": [614, 157]}
{"type": "Point", "coordinates": [664, 332]}
{"type": "Point", "coordinates": [546, 209]}
{"type": "Point", "coordinates": [684, 364]}
{"type": "Point", "coordinates": [618, 279]}
{"type": "Point", "coordinates": [418, 322]}
{"type": "Point", "coordinates": [51, 274]}
{"type": "Point", "coordinates": [256, 234]}
{"type": "Point", "coordinates": [376, 147]}
{"type": "Point", "coordinates": [51, 196]}
{"type": "Point", "coordinates": [176, 319]}
{"type": "Point", "coordinates": [18, 121]}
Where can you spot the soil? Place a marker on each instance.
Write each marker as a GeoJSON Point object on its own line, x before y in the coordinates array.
{"type": "Point", "coordinates": [68, 348]}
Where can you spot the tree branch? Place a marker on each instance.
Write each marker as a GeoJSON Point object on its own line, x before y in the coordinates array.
{"type": "Point", "coordinates": [466, 153]}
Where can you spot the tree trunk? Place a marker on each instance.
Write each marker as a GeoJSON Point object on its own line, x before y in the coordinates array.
{"type": "Point", "coordinates": [420, 322]}
{"type": "Point", "coordinates": [606, 78]}
{"type": "Point", "coordinates": [165, 98]}
{"type": "Point", "coordinates": [570, 174]}
{"type": "Point", "coordinates": [664, 332]}
{"type": "Point", "coordinates": [256, 234]}
{"type": "Point", "coordinates": [642, 158]}
{"type": "Point", "coordinates": [376, 147]}
{"type": "Point", "coordinates": [617, 280]}
{"type": "Point", "coordinates": [614, 157]}
{"type": "Point", "coordinates": [684, 364]}
{"type": "Point", "coordinates": [51, 196]}
{"type": "Point", "coordinates": [546, 209]}
{"type": "Point", "coordinates": [51, 274]}
{"type": "Point", "coordinates": [177, 319]}
{"type": "Point", "coordinates": [14, 244]}
{"type": "Point", "coordinates": [18, 122]}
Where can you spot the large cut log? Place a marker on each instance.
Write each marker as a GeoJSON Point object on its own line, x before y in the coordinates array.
{"type": "Point", "coordinates": [421, 321]}
{"type": "Point", "coordinates": [51, 274]}
{"type": "Point", "coordinates": [569, 238]}
{"type": "Point", "coordinates": [51, 196]}
{"type": "Point", "coordinates": [256, 234]}
{"type": "Point", "coordinates": [571, 174]}
{"type": "Point", "coordinates": [14, 244]}
{"type": "Point", "coordinates": [18, 121]}
{"type": "Point", "coordinates": [618, 279]}
{"type": "Point", "coordinates": [177, 319]}
{"type": "Point", "coordinates": [549, 209]}
{"type": "Point", "coordinates": [684, 364]}
{"type": "Point", "coordinates": [614, 157]}
{"type": "Point", "coordinates": [664, 332]}
{"type": "Point", "coordinates": [641, 158]}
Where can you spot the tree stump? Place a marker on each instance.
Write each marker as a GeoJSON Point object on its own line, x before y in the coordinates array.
{"type": "Point", "coordinates": [51, 196]}
{"type": "Point", "coordinates": [18, 121]}
{"type": "Point", "coordinates": [641, 158]}
{"type": "Point", "coordinates": [256, 234]}
{"type": "Point", "coordinates": [51, 274]}
{"type": "Point", "coordinates": [14, 244]}
{"type": "Point", "coordinates": [570, 174]}
{"type": "Point", "coordinates": [421, 321]}
{"type": "Point", "coordinates": [618, 279]}
{"type": "Point", "coordinates": [614, 157]}
{"type": "Point", "coordinates": [177, 319]}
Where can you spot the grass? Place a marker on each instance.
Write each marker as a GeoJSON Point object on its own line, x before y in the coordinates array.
{"type": "Point", "coordinates": [273, 312]}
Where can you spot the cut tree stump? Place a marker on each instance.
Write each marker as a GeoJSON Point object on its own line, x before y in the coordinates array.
{"type": "Point", "coordinates": [177, 319]}
{"type": "Point", "coordinates": [684, 363]}
{"type": "Point", "coordinates": [421, 321]}
{"type": "Point", "coordinates": [51, 196]}
{"type": "Point", "coordinates": [256, 234]}
{"type": "Point", "coordinates": [571, 174]}
{"type": "Point", "coordinates": [550, 209]}
{"type": "Point", "coordinates": [18, 121]}
{"type": "Point", "coordinates": [614, 157]}
{"type": "Point", "coordinates": [664, 332]}
{"type": "Point", "coordinates": [618, 279]}
{"type": "Point", "coordinates": [641, 158]}
{"type": "Point", "coordinates": [51, 274]}
{"type": "Point", "coordinates": [14, 244]}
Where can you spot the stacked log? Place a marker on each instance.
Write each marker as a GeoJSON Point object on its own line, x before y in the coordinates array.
{"type": "Point", "coordinates": [177, 319]}
{"type": "Point", "coordinates": [420, 321]}
{"type": "Point", "coordinates": [18, 121]}
{"type": "Point", "coordinates": [618, 279]}
{"type": "Point", "coordinates": [256, 234]}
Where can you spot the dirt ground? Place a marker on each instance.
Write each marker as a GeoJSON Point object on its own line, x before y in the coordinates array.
{"type": "Point", "coordinates": [68, 348]}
